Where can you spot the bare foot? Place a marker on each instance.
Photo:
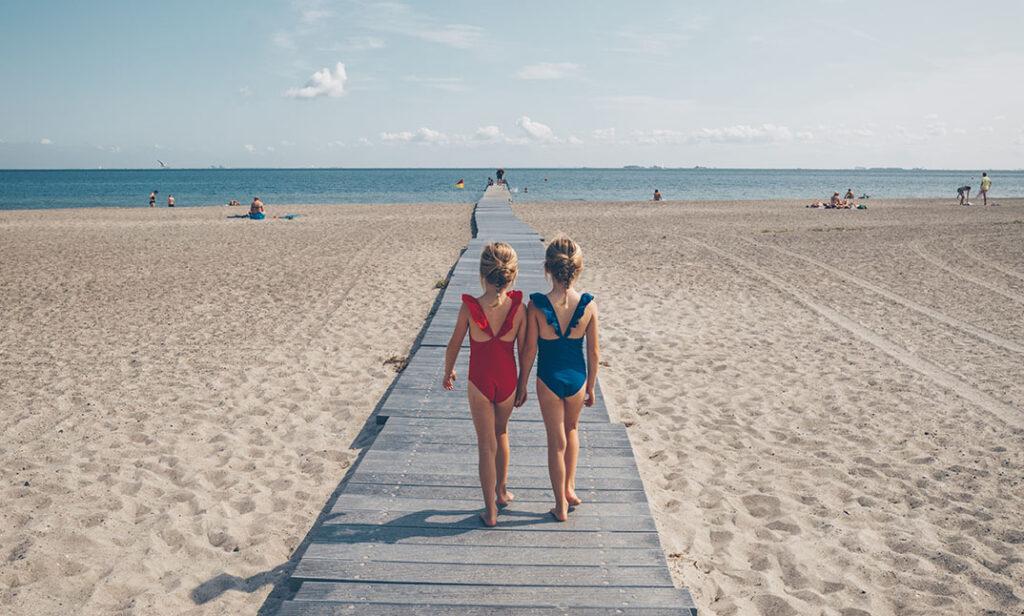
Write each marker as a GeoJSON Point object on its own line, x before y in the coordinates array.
{"type": "Point", "coordinates": [574, 501]}
{"type": "Point", "coordinates": [489, 520]}
{"type": "Point", "coordinates": [505, 499]}
{"type": "Point", "coordinates": [559, 514]}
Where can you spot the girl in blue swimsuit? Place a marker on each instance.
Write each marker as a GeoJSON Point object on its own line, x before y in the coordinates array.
{"type": "Point", "coordinates": [557, 325]}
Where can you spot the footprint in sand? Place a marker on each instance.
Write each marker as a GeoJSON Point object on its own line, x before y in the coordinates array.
{"type": "Point", "coordinates": [762, 506]}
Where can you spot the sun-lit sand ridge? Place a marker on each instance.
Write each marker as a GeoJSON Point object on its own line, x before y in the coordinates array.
{"type": "Point", "coordinates": [179, 391]}
{"type": "Point", "coordinates": [827, 406]}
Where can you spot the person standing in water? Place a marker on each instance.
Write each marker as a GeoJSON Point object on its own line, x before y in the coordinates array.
{"type": "Point", "coordinates": [152, 199]}
{"type": "Point", "coordinates": [170, 200]}
{"type": "Point", "coordinates": [657, 195]}
{"type": "Point", "coordinates": [986, 183]}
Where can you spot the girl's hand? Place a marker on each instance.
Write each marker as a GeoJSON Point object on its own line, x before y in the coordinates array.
{"type": "Point", "coordinates": [520, 397]}
{"type": "Point", "coordinates": [589, 399]}
{"type": "Point", "coordinates": [449, 381]}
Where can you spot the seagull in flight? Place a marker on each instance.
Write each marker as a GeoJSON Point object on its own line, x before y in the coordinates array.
{"type": "Point", "coordinates": [163, 165]}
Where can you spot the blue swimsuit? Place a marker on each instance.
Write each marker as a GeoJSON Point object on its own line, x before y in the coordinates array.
{"type": "Point", "coordinates": [560, 362]}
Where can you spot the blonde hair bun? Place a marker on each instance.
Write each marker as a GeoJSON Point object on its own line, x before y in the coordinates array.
{"type": "Point", "coordinates": [563, 260]}
{"type": "Point", "coordinates": [499, 265]}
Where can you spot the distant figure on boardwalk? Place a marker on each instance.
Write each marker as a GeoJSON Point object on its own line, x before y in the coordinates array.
{"type": "Point", "coordinates": [565, 380]}
{"type": "Point", "coordinates": [964, 192]}
{"type": "Point", "coordinates": [500, 174]}
{"type": "Point", "coordinates": [490, 181]}
{"type": "Point", "coordinates": [152, 199]}
{"type": "Point", "coordinates": [657, 195]}
{"type": "Point", "coordinates": [170, 200]}
{"type": "Point", "coordinates": [986, 183]}
{"type": "Point", "coordinates": [494, 323]}
{"type": "Point", "coordinates": [256, 209]}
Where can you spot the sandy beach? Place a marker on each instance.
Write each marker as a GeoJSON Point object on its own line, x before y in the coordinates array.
{"type": "Point", "coordinates": [180, 391]}
{"type": "Point", "coordinates": [827, 406]}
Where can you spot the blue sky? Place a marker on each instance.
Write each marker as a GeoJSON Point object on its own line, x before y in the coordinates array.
{"type": "Point", "coordinates": [815, 83]}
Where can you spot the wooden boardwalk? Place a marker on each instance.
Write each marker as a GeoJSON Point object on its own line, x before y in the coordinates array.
{"type": "Point", "coordinates": [403, 535]}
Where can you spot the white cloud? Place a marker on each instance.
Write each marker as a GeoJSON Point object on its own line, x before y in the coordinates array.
{"type": "Point", "coordinates": [574, 140]}
{"type": "Point", "coordinates": [113, 149]}
{"type": "Point", "coordinates": [488, 133]}
{"type": "Point", "coordinates": [931, 116]}
{"type": "Point", "coordinates": [245, 91]}
{"type": "Point", "coordinates": [805, 135]}
{"type": "Point", "coordinates": [336, 144]}
{"type": "Point", "coordinates": [420, 135]}
{"type": "Point", "coordinates": [287, 143]}
{"type": "Point", "coordinates": [548, 70]}
{"type": "Point", "coordinates": [324, 82]}
{"type": "Point", "coordinates": [603, 135]}
{"type": "Point", "coordinates": [743, 133]}
{"type": "Point", "coordinates": [271, 148]}
{"type": "Point", "coordinates": [403, 19]}
{"type": "Point", "coordinates": [364, 141]}
{"type": "Point", "coordinates": [535, 130]}
{"type": "Point", "coordinates": [45, 141]}
{"type": "Point", "coordinates": [250, 148]}
{"type": "Point", "coordinates": [936, 129]}
{"type": "Point", "coordinates": [364, 43]}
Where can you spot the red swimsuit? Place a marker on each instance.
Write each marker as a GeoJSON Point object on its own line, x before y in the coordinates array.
{"type": "Point", "coordinates": [492, 362]}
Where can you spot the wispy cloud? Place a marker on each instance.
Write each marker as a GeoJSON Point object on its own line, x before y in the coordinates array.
{"type": "Point", "coordinates": [45, 141]}
{"type": "Point", "coordinates": [420, 135]}
{"type": "Point", "coordinates": [250, 148]}
{"type": "Point", "coordinates": [664, 40]}
{"type": "Point", "coordinates": [488, 133]}
{"type": "Point", "coordinates": [402, 19]}
{"type": "Point", "coordinates": [324, 82]}
{"type": "Point", "coordinates": [548, 70]}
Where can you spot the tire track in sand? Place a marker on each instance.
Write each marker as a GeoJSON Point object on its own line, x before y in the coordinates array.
{"type": "Point", "coordinates": [966, 249]}
{"type": "Point", "coordinates": [981, 283]}
{"type": "Point", "coordinates": [998, 408]}
{"type": "Point", "coordinates": [977, 332]}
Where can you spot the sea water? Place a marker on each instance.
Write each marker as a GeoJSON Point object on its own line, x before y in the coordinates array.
{"type": "Point", "coordinates": [131, 187]}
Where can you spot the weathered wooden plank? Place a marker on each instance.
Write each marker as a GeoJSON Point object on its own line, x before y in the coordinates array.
{"type": "Point", "coordinates": [485, 555]}
{"type": "Point", "coordinates": [496, 595]}
{"type": "Point", "coordinates": [382, 502]}
{"type": "Point", "coordinates": [499, 536]}
{"type": "Point", "coordinates": [335, 608]}
{"type": "Point", "coordinates": [543, 495]}
{"type": "Point", "coordinates": [579, 575]}
{"type": "Point", "coordinates": [525, 517]}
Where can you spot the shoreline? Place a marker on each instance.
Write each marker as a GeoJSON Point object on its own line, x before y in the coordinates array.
{"type": "Point", "coordinates": [886, 201]}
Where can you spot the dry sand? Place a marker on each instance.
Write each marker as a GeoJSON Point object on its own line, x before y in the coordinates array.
{"type": "Point", "coordinates": [827, 406]}
{"type": "Point", "coordinates": [179, 391]}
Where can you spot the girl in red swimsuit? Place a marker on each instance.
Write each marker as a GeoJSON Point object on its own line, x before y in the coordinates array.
{"type": "Point", "coordinates": [495, 324]}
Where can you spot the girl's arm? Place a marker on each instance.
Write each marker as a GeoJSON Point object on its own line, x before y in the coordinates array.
{"type": "Point", "coordinates": [454, 346]}
{"type": "Point", "coordinates": [527, 353]}
{"type": "Point", "coordinates": [593, 356]}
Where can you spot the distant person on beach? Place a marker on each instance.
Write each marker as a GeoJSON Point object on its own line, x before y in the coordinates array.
{"type": "Point", "coordinates": [565, 379]}
{"type": "Point", "coordinates": [170, 200]}
{"type": "Point", "coordinates": [657, 195]}
{"type": "Point", "coordinates": [495, 325]}
{"type": "Point", "coordinates": [256, 209]}
{"type": "Point", "coordinates": [152, 199]}
{"type": "Point", "coordinates": [964, 192]}
{"type": "Point", "coordinates": [986, 183]}
{"type": "Point", "coordinates": [837, 203]}
{"type": "Point", "coordinates": [490, 181]}
{"type": "Point", "coordinates": [849, 194]}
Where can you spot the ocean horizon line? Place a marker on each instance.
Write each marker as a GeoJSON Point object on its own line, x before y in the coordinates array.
{"type": "Point", "coordinates": [567, 168]}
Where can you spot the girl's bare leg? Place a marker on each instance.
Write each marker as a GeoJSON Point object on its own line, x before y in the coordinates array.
{"type": "Point", "coordinates": [553, 411]}
{"type": "Point", "coordinates": [573, 406]}
{"type": "Point", "coordinates": [502, 413]}
{"type": "Point", "coordinates": [483, 421]}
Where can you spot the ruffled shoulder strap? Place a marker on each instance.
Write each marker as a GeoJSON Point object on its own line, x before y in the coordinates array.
{"type": "Point", "coordinates": [581, 308]}
{"type": "Point", "coordinates": [517, 299]}
{"type": "Point", "coordinates": [544, 305]}
{"type": "Point", "coordinates": [476, 312]}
